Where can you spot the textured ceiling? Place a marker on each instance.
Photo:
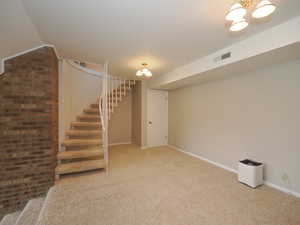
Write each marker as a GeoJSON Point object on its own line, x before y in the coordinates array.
{"type": "Point", "coordinates": [164, 33]}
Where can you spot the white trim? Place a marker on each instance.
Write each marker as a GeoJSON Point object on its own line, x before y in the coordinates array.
{"type": "Point", "coordinates": [89, 71]}
{"type": "Point", "coordinates": [22, 213]}
{"type": "Point", "coordinates": [121, 143]}
{"type": "Point", "coordinates": [204, 159]}
{"type": "Point", "coordinates": [44, 205]}
{"type": "Point", "coordinates": [283, 189]}
{"type": "Point", "coordinates": [2, 69]}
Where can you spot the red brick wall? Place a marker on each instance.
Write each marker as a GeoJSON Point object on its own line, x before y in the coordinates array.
{"type": "Point", "coordinates": [28, 127]}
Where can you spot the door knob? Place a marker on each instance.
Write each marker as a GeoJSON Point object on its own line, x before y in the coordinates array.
{"type": "Point", "coordinates": [150, 122]}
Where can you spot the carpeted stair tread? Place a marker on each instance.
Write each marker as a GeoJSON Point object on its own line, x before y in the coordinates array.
{"type": "Point", "coordinates": [79, 154]}
{"type": "Point", "coordinates": [30, 213]}
{"type": "Point", "coordinates": [80, 166]}
{"type": "Point", "coordinates": [92, 111]}
{"type": "Point", "coordinates": [86, 124]}
{"type": "Point", "coordinates": [81, 142]}
{"type": "Point", "coordinates": [95, 118]}
{"type": "Point", "coordinates": [10, 219]}
{"type": "Point", "coordinates": [83, 133]}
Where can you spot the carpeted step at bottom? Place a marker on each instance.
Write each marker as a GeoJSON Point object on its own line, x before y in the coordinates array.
{"type": "Point", "coordinates": [30, 213]}
{"type": "Point", "coordinates": [10, 219]}
{"type": "Point", "coordinates": [79, 154]}
{"type": "Point", "coordinates": [79, 166]}
{"type": "Point", "coordinates": [82, 142]}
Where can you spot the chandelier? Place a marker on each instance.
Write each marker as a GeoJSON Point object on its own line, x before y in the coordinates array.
{"type": "Point", "coordinates": [237, 12]}
{"type": "Point", "coordinates": [144, 71]}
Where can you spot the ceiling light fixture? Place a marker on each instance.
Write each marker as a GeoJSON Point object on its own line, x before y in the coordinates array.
{"type": "Point", "coordinates": [239, 9]}
{"type": "Point", "coordinates": [239, 25]}
{"type": "Point", "coordinates": [144, 72]}
{"type": "Point", "coordinates": [263, 9]}
{"type": "Point", "coordinates": [236, 12]}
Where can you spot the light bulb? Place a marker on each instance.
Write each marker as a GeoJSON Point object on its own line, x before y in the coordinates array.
{"type": "Point", "coordinates": [139, 73]}
{"type": "Point", "coordinates": [239, 25]}
{"type": "Point", "coordinates": [145, 70]}
{"type": "Point", "coordinates": [148, 74]}
{"type": "Point", "coordinates": [263, 9]}
{"type": "Point", "coordinates": [236, 12]}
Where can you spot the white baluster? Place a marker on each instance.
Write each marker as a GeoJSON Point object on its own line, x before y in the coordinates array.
{"type": "Point", "coordinates": [124, 87]}
{"type": "Point", "coordinates": [120, 88]}
{"type": "Point", "coordinates": [116, 91]}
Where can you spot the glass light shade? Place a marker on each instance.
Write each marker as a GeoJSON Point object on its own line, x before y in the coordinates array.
{"type": "Point", "coordinates": [139, 73]}
{"type": "Point", "coordinates": [148, 74]}
{"type": "Point", "coordinates": [263, 9]}
{"type": "Point", "coordinates": [236, 12]}
{"type": "Point", "coordinates": [239, 25]}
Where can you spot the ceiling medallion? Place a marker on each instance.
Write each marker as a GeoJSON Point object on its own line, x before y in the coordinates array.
{"type": "Point", "coordinates": [144, 71]}
{"type": "Point", "coordinates": [238, 11]}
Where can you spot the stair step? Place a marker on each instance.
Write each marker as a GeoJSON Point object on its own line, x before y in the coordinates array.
{"type": "Point", "coordinates": [10, 219]}
{"type": "Point", "coordinates": [30, 213]}
{"type": "Point", "coordinates": [83, 133]}
{"type": "Point", "coordinates": [86, 124]}
{"type": "Point", "coordinates": [79, 154]}
{"type": "Point", "coordinates": [95, 118]}
{"type": "Point", "coordinates": [81, 142]}
{"type": "Point", "coordinates": [79, 166]}
{"type": "Point", "coordinates": [95, 105]}
{"type": "Point", "coordinates": [92, 111]}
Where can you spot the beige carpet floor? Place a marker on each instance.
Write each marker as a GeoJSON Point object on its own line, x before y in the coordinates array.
{"type": "Point", "coordinates": [161, 186]}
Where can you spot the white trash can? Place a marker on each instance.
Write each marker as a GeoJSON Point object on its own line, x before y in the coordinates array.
{"type": "Point", "coordinates": [250, 173]}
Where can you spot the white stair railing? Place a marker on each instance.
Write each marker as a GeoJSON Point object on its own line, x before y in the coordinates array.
{"type": "Point", "coordinates": [103, 110]}
{"type": "Point", "coordinates": [113, 88]}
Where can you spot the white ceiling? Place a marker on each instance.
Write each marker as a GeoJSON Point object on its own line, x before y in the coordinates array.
{"type": "Point", "coordinates": [164, 33]}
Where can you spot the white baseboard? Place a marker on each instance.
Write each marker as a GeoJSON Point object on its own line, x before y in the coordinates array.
{"type": "Point", "coordinates": [204, 159]}
{"type": "Point", "coordinates": [121, 143]}
{"type": "Point", "coordinates": [283, 189]}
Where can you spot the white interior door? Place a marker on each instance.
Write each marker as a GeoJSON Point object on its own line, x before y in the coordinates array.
{"type": "Point", "coordinates": [157, 118]}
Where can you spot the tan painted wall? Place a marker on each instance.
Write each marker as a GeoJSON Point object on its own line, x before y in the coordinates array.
{"type": "Point", "coordinates": [253, 115]}
{"type": "Point", "coordinates": [120, 123]}
{"type": "Point", "coordinates": [137, 114]}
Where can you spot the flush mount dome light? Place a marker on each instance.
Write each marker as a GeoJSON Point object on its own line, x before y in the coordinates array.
{"type": "Point", "coordinates": [239, 25]}
{"type": "Point", "coordinates": [236, 12]}
{"type": "Point", "coordinates": [144, 72]}
{"type": "Point", "coordinates": [263, 9]}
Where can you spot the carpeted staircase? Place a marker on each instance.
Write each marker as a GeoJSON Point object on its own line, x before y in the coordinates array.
{"type": "Point", "coordinates": [83, 152]}
{"type": "Point", "coordinates": [83, 143]}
